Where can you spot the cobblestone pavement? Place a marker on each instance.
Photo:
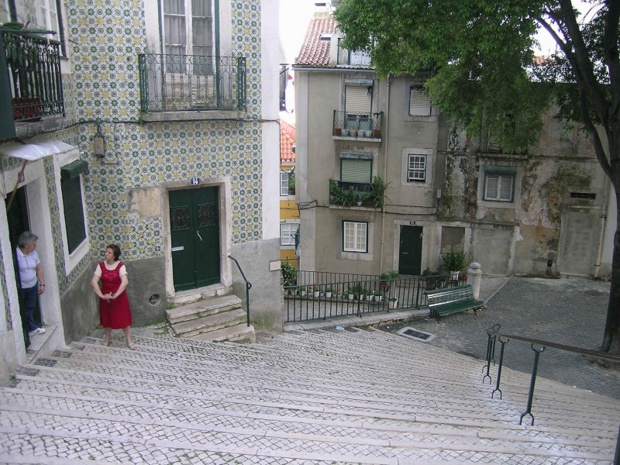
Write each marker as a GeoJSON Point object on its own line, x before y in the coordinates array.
{"type": "Point", "coordinates": [568, 311]}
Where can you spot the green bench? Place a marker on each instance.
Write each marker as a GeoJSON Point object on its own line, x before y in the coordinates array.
{"type": "Point", "coordinates": [452, 300]}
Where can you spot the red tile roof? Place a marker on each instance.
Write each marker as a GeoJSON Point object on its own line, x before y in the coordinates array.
{"type": "Point", "coordinates": [287, 142]}
{"type": "Point", "coordinates": [314, 51]}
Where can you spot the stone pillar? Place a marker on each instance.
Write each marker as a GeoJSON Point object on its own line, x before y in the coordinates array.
{"type": "Point", "coordinates": [474, 277]}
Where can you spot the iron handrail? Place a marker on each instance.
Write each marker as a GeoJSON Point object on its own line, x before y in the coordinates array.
{"type": "Point", "coordinates": [538, 347]}
{"type": "Point", "coordinates": [248, 286]}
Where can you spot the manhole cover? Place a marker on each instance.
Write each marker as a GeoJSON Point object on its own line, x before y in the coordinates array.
{"type": "Point", "coordinates": [416, 334]}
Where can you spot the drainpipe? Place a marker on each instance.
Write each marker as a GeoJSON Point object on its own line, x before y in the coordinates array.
{"type": "Point", "coordinates": [603, 224]}
{"type": "Point", "coordinates": [385, 167]}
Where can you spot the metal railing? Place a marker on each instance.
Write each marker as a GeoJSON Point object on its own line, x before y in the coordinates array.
{"type": "Point", "coordinates": [33, 68]}
{"type": "Point", "coordinates": [322, 295]}
{"type": "Point", "coordinates": [538, 347]}
{"type": "Point", "coordinates": [191, 83]}
{"type": "Point", "coordinates": [248, 286]}
{"type": "Point", "coordinates": [357, 125]}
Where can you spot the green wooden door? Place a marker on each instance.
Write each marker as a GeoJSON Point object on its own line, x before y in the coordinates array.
{"type": "Point", "coordinates": [410, 252]}
{"type": "Point", "coordinates": [195, 239]}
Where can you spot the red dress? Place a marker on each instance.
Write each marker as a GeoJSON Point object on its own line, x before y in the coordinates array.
{"type": "Point", "coordinates": [116, 313]}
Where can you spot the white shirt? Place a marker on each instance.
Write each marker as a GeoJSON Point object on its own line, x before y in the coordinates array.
{"type": "Point", "coordinates": [27, 265]}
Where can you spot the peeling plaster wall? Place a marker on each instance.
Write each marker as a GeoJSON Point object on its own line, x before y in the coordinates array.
{"type": "Point", "coordinates": [554, 218]}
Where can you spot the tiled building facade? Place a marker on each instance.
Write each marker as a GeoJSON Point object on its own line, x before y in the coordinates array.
{"type": "Point", "coordinates": [229, 150]}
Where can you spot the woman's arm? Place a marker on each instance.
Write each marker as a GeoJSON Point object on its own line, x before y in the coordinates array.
{"type": "Point", "coordinates": [95, 283]}
{"type": "Point", "coordinates": [41, 279]}
{"type": "Point", "coordinates": [121, 288]}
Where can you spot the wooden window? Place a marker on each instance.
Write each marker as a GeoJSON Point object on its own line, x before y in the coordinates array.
{"type": "Point", "coordinates": [355, 236]}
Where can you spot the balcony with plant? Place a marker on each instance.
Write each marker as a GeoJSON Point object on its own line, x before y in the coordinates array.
{"type": "Point", "coordinates": [361, 126]}
{"type": "Point", "coordinates": [357, 194]}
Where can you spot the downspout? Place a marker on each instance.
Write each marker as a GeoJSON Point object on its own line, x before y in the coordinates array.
{"type": "Point", "coordinates": [603, 224]}
{"type": "Point", "coordinates": [385, 168]}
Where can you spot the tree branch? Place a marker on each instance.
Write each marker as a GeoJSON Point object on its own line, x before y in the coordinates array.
{"type": "Point", "coordinates": [596, 140]}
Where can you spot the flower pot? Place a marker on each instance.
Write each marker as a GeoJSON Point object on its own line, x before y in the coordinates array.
{"type": "Point", "coordinates": [392, 303]}
{"type": "Point", "coordinates": [317, 294]}
{"type": "Point", "coordinates": [351, 296]}
{"type": "Point", "coordinates": [454, 275]}
{"type": "Point", "coordinates": [337, 131]}
{"type": "Point", "coordinates": [328, 294]}
{"type": "Point", "coordinates": [376, 133]}
{"type": "Point", "coordinates": [345, 132]}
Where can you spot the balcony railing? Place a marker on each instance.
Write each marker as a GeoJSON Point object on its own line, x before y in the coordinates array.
{"type": "Point", "coordinates": [350, 194]}
{"type": "Point", "coordinates": [191, 83]}
{"type": "Point", "coordinates": [357, 125]}
{"type": "Point", "coordinates": [33, 68]}
{"type": "Point", "coordinates": [347, 57]}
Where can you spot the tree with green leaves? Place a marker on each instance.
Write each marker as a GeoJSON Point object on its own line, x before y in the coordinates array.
{"type": "Point", "coordinates": [479, 55]}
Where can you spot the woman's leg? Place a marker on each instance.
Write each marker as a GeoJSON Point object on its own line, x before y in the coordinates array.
{"type": "Point", "coordinates": [107, 332]}
{"type": "Point", "coordinates": [127, 332]}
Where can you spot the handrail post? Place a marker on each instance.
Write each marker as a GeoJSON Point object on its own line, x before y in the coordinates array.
{"type": "Point", "coordinates": [491, 337]}
{"type": "Point", "coordinates": [530, 396]}
{"type": "Point", "coordinates": [248, 286]}
{"type": "Point", "coordinates": [499, 368]}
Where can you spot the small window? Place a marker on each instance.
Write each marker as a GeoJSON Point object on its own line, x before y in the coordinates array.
{"type": "Point", "coordinates": [355, 237]}
{"type": "Point", "coordinates": [288, 231]}
{"type": "Point", "coordinates": [352, 170]}
{"type": "Point", "coordinates": [283, 183]}
{"type": "Point", "coordinates": [71, 188]}
{"type": "Point", "coordinates": [416, 168]}
{"type": "Point", "coordinates": [499, 186]}
{"type": "Point", "coordinates": [419, 102]}
{"type": "Point", "coordinates": [48, 18]}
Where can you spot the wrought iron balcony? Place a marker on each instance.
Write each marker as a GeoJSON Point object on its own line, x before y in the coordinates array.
{"type": "Point", "coordinates": [191, 83]}
{"type": "Point", "coordinates": [346, 57]}
{"type": "Point", "coordinates": [34, 78]}
{"type": "Point", "coordinates": [357, 126]}
{"type": "Point", "coordinates": [350, 194]}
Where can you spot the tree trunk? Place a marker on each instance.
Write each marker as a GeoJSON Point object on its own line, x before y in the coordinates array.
{"type": "Point", "coordinates": [611, 341]}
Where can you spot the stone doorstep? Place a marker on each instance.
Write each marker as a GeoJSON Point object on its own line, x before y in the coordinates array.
{"type": "Point", "coordinates": [203, 308]}
{"type": "Point", "coordinates": [194, 295]}
{"type": "Point", "coordinates": [209, 323]}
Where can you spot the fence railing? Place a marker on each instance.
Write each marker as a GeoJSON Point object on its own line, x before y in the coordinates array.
{"type": "Point", "coordinates": [191, 83]}
{"type": "Point", "coordinates": [322, 295]}
{"type": "Point", "coordinates": [33, 68]}
{"type": "Point", "coordinates": [248, 286]}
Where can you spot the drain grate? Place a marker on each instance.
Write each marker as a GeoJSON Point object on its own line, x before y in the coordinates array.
{"type": "Point", "coordinates": [416, 334]}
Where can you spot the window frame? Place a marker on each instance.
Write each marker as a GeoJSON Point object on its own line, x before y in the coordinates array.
{"type": "Point", "coordinates": [354, 160]}
{"type": "Point", "coordinates": [410, 170]}
{"type": "Point", "coordinates": [284, 175]}
{"type": "Point", "coordinates": [43, 7]}
{"type": "Point", "coordinates": [500, 175]}
{"type": "Point", "coordinates": [291, 234]}
{"type": "Point", "coordinates": [72, 191]}
{"type": "Point", "coordinates": [354, 248]}
{"type": "Point", "coordinates": [418, 90]}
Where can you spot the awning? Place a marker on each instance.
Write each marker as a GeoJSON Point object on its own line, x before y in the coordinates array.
{"type": "Point", "coordinates": [35, 150]}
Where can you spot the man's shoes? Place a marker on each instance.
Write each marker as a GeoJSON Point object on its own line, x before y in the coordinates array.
{"type": "Point", "coordinates": [36, 332]}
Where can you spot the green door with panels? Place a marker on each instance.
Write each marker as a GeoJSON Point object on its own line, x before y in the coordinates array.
{"type": "Point", "coordinates": [410, 253]}
{"type": "Point", "coordinates": [195, 238]}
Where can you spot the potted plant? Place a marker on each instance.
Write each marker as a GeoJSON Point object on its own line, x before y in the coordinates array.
{"type": "Point", "coordinates": [316, 292]}
{"type": "Point", "coordinates": [351, 292]}
{"type": "Point", "coordinates": [328, 292]}
{"type": "Point", "coordinates": [289, 274]}
{"type": "Point", "coordinates": [378, 296]}
{"type": "Point", "coordinates": [454, 263]}
{"type": "Point", "coordinates": [303, 290]}
{"type": "Point", "coordinates": [392, 302]}
{"type": "Point", "coordinates": [386, 278]}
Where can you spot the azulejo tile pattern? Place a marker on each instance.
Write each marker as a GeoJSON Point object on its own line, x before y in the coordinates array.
{"type": "Point", "coordinates": [106, 88]}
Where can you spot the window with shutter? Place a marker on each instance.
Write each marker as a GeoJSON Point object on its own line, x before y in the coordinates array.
{"type": "Point", "coordinates": [352, 170]}
{"type": "Point", "coordinates": [419, 102]}
{"type": "Point", "coordinates": [284, 183]}
{"type": "Point", "coordinates": [71, 188]}
{"type": "Point", "coordinates": [358, 100]}
{"type": "Point", "coordinates": [499, 185]}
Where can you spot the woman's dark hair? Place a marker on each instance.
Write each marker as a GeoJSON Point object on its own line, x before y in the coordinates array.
{"type": "Point", "coordinates": [116, 250]}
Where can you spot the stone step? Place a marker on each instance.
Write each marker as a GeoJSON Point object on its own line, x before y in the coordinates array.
{"type": "Point", "coordinates": [220, 320]}
{"type": "Point", "coordinates": [320, 397]}
{"type": "Point", "coordinates": [199, 429]}
{"type": "Point", "coordinates": [331, 391]}
{"type": "Point", "coordinates": [236, 333]}
{"type": "Point", "coordinates": [203, 308]}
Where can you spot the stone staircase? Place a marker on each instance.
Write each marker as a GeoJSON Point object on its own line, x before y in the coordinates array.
{"type": "Point", "coordinates": [317, 397]}
{"type": "Point", "coordinates": [214, 315]}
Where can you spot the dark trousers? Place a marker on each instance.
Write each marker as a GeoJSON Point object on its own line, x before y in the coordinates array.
{"type": "Point", "coordinates": [29, 297]}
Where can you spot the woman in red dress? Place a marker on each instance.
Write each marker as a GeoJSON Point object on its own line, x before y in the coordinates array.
{"type": "Point", "coordinates": [114, 311]}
